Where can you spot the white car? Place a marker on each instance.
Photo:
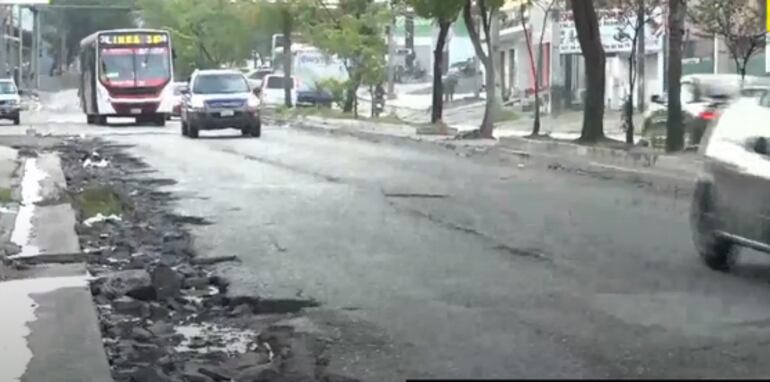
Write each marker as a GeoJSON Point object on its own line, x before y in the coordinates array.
{"type": "Point", "coordinates": [272, 92]}
{"type": "Point", "coordinates": [10, 101]}
{"type": "Point", "coordinates": [179, 87]}
{"type": "Point", "coordinates": [256, 76]}
{"type": "Point", "coordinates": [732, 194]}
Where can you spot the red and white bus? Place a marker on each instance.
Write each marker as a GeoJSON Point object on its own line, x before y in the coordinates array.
{"type": "Point", "coordinates": [127, 73]}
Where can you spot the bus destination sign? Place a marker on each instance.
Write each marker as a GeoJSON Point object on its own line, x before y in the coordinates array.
{"type": "Point", "coordinates": [133, 39]}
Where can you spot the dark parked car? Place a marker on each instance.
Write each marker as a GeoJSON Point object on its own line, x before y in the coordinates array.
{"type": "Point", "coordinates": [310, 94]}
{"type": "Point", "coordinates": [703, 96]}
{"type": "Point", "coordinates": [731, 202]}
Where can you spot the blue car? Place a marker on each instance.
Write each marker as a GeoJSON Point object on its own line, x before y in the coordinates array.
{"type": "Point", "coordinates": [313, 96]}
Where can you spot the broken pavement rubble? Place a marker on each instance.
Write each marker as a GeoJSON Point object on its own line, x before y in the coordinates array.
{"type": "Point", "coordinates": [164, 316]}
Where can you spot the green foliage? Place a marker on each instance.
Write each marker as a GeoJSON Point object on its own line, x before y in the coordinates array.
{"type": "Point", "coordinates": [74, 24]}
{"type": "Point", "coordinates": [336, 87]}
{"type": "Point", "coordinates": [205, 33]}
{"type": "Point", "coordinates": [440, 10]}
{"type": "Point", "coordinates": [98, 199]}
{"type": "Point", "coordinates": [354, 33]}
{"type": "Point", "coordinates": [6, 195]}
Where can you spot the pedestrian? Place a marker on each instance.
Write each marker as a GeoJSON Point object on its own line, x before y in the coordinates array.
{"type": "Point", "coordinates": [450, 85]}
{"type": "Point", "coordinates": [379, 99]}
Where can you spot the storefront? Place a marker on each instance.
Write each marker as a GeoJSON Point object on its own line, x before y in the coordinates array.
{"type": "Point", "coordinates": [563, 65]}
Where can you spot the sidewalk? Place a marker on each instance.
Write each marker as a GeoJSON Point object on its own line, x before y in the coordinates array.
{"type": "Point", "coordinates": [638, 164]}
{"type": "Point", "coordinates": [50, 330]}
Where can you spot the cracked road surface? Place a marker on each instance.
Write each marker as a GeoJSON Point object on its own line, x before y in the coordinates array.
{"type": "Point", "coordinates": [427, 264]}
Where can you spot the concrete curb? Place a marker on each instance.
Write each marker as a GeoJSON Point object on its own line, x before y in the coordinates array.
{"type": "Point", "coordinates": [51, 331]}
{"type": "Point", "coordinates": [645, 168]}
{"type": "Point", "coordinates": [635, 158]}
{"type": "Point", "coordinates": [319, 126]}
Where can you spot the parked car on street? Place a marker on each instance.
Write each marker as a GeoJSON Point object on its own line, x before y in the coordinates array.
{"type": "Point", "coordinates": [308, 95]}
{"type": "Point", "coordinates": [256, 76]}
{"type": "Point", "coordinates": [179, 88]}
{"type": "Point", "coordinates": [756, 91]}
{"type": "Point", "coordinates": [220, 99]}
{"type": "Point", "coordinates": [10, 101]}
{"type": "Point", "coordinates": [272, 92]}
{"type": "Point", "coordinates": [731, 201]}
{"type": "Point", "coordinates": [703, 96]}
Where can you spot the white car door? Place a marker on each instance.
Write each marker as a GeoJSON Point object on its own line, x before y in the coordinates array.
{"type": "Point", "coordinates": [741, 175]}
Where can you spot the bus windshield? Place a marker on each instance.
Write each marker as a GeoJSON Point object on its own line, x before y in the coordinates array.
{"type": "Point", "coordinates": [135, 66]}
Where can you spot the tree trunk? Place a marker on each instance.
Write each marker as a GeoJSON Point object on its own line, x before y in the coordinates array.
{"type": "Point", "coordinates": [641, 56]}
{"type": "Point", "coordinates": [539, 73]}
{"type": "Point", "coordinates": [409, 41]}
{"type": "Point", "coordinates": [288, 83]}
{"type": "Point", "coordinates": [587, 27]}
{"type": "Point", "coordinates": [674, 125]}
{"type": "Point", "coordinates": [533, 70]}
{"type": "Point", "coordinates": [373, 109]}
{"type": "Point", "coordinates": [487, 124]}
{"type": "Point", "coordinates": [628, 107]}
{"type": "Point", "coordinates": [62, 53]}
{"type": "Point", "coordinates": [438, 59]}
{"type": "Point", "coordinates": [350, 97]}
{"type": "Point", "coordinates": [741, 67]}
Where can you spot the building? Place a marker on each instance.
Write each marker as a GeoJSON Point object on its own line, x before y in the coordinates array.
{"type": "Point", "coordinates": [562, 79]}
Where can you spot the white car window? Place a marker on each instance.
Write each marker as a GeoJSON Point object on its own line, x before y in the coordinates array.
{"type": "Point", "coordinates": [275, 82]}
{"type": "Point", "coordinates": [729, 141]}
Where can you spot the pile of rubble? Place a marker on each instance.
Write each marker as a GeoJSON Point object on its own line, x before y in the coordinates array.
{"type": "Point", "coordinates": [164, 315]}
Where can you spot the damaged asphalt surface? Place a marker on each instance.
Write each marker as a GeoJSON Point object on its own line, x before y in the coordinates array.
{"type": "Point", "coordinates": [163, 315]}
{"type": "Point", "coordinates": [425, 263]}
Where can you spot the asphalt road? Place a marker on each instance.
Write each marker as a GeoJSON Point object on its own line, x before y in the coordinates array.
{"type": "Point", "coordinates": [505, 271]}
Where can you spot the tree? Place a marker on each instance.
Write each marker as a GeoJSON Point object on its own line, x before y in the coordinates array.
{"type": "Point", "coordinates": [73, 24]}
{"type": "Point", "coordinates": [353, 31]}
{"type": "Point", "coordinates": [740, 23]}
{"type": "Point", "coordinates": [587, 28]}
{"type": "Point", "coordinates": [444, 13]}
{"type": "Point", "coordinates": [206, 33]}
{"type": "Point", "coordinates": [634, 15]}
{"type": "Point", "coordinates": [487, 11]}
{"type": "Point", "coordinates": [674, 123]}
{"type": "Point", "coordinates": [545, 7]}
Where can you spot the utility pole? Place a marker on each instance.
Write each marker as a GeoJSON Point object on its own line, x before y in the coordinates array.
{"type": "Point", "coordinates": [36, 47]}
{"type": "Point", "coordinates": [391, 60]}
{"type": "Point", "coordinates": [409, 41]}
{"type": "Point", "coordinates": [641, 56]}
{"type": "Point", "coordinates": [20, 31]}
{"type": "Point", "coordinates": [3, 42]}
{"type": "Point", "coordinates": [476, 64]}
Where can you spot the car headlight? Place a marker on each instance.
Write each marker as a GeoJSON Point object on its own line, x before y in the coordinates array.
{"type": "Point", "coordinates": [198, 104]}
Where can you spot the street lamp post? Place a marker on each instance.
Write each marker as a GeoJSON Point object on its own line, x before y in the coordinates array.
{"type": "Point", "coordinates": [3, 41]}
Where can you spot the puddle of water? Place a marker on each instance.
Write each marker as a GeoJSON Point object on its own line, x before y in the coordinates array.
{"type": "Point", "coordinates": [18, 312]}
{"type": "Point", "coordinates": [217, 338]}
{"type": "Point", "coordinates": [31, 193]}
